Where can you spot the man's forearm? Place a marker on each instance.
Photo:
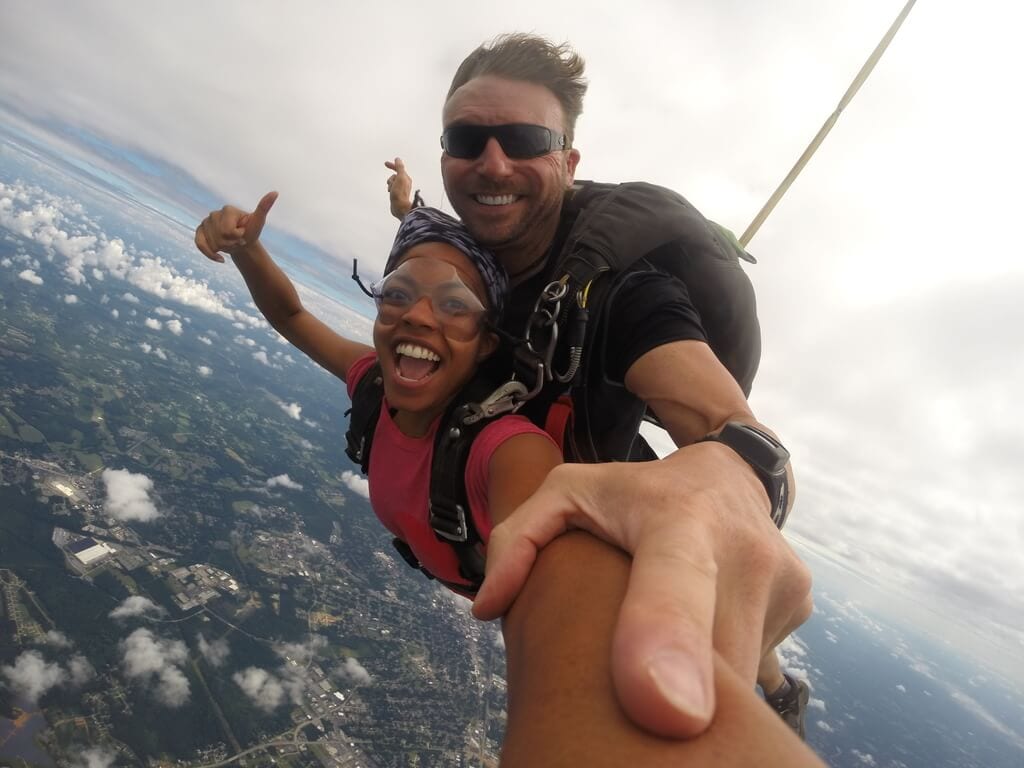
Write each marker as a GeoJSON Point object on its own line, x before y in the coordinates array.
{"type": "Point", "coordinates": [562, 705]}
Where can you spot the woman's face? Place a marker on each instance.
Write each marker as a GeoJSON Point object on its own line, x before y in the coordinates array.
{"type": "Point", "coordinates": [429, 333]}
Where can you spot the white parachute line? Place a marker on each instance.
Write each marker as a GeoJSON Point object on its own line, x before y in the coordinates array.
{"type": "Point", "coordinates": [858, 81]}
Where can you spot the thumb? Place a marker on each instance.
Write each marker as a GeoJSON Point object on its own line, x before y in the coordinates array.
{"type": "Point", "coordinates": [255, 221]}
{"type": "Point", "coordinates": [662, 648]}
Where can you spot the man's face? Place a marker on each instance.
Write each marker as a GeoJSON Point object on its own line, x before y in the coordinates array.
{"type": "Point", "coordinates": [509, 205]}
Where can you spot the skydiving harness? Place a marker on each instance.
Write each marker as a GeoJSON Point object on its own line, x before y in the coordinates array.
{"type": "Point", "coordinates": [613, 228]}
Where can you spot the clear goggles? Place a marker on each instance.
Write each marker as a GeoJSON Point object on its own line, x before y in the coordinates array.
{"type": "Point", "coordinates": [457, 310]}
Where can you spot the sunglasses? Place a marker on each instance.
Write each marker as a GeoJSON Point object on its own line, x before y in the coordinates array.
{"type": "Point", "coordinates": [519, 141]}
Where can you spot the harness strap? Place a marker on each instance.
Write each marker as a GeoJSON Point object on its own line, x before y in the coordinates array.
{"type": "Point", "coordinates": [557, 421]}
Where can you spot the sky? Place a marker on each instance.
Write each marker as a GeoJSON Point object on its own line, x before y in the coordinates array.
{"type": "Point", "coordinates": [887, 282]}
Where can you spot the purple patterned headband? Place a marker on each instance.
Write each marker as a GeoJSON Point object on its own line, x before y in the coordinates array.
{"type": "Point", "coordinates": [429, 225]}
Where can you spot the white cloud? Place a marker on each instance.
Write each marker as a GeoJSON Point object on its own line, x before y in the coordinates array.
{"type": "Point", "coordinates": [261, 357]}
{"type": "Point", "coordinates": [215, 652]}
{"type": "Point", "coordinates": [284, 481]}
{"type": "Point", "coordinates": [131, 298]}
{"type": "Point", "coordinates": [128, 496]}
{"type": "Point", "coordinates": [825, 726]}
{"type": "Point", "coordinates": [152, 322]}
{"type": "Point", "coordinates": [70, 298]}
{"type": "Point", "coordinates": [864, 758]}
{"type": "Point", "coordinates": [155, 661]}
{"type": "Point", "coordinates": [205, 340]}
{"type": "Point", "coordinates": [174, 326]}
{"type": "Point", "coordinates": [32, 676]}
{"type": "Point", "coordinates": [136, 605]}
{"type": "Point", "coordinates": [353, 672]}
{"type": "Point", "coordinates": [292, 409]}
{"type": "Point", "coordinates": [262, 687]}
{"type": "Point", "coordinates": [80, 670]}
{"type": "Point", "coordinates": [115, 314]}
{"type": "Point", "coordinates": [356, 483]}
{"type": "Point", "coordinates": [165, 312]}
{"type": "Point", "coordinates": [31, 277]}
{"type": "Point", "coordinates": [244, 341]}
{"type": "Point", "coordinates": [57, 639]}
{"type": "Point", "coordinates": [95, 757]}
{"type": "Point", "coordinates": [204, 370]}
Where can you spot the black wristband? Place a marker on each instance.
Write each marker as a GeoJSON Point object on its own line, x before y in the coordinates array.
{"type": "Point", "coordinates": [766, 456]}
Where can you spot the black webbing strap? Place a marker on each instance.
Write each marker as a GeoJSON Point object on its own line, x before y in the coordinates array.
{"type": "Point", "coordinates": [363, 415]}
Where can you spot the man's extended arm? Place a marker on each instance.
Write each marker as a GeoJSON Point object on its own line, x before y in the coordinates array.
{"type": "Point", "coordinates": [710, 570]}
{"type": "Point", "coordinates": [562, 708]}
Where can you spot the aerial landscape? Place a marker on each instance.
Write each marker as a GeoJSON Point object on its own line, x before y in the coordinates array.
{"type": "Point", "coordinates": [191, 574]}
{"type": "Point", "coordinates": [190, 570]}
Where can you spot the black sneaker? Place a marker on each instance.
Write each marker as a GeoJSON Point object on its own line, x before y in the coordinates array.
{"type": "Point", "coordinates": [792, 705]}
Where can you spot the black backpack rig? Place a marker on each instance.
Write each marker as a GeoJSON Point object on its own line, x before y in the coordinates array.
{"type": "Point", "coordinates": [612, 227]}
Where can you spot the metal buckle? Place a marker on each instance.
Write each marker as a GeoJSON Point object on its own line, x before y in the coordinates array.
{"type": "Point", "coordinates": [444, 526]}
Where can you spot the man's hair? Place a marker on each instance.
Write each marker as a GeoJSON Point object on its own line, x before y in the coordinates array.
{"type": "Point", "coordinates": [532, 59]}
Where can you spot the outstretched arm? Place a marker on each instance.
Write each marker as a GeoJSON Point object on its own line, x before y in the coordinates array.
{"type": "Point", "coordinates": [711, 574]}
{"type": "Point", "coordinates": [562, 706]}
{"type": "Point", "coordinates": [237, 232]}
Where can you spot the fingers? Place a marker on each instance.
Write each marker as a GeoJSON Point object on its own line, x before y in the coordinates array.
{"type": "Point", "coordinates": [512, 550]}
{"type": "Point", "coordinates": [396, 165]}
{"type": "Point", "coordinates": [662, 653]}
{"type": "Point", "coordinates": [204, 248]}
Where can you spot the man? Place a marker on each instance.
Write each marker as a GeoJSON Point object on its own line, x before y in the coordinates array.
{"type": "Point", "coordinates": [710, 569]}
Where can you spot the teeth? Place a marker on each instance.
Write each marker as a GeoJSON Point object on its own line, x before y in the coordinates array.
{"type": "Point", "coordinates": [414, 350]}
{"type": "Point", "coordinates": [496, 199]}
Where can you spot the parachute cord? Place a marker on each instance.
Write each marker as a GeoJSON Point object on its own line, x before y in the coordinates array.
{"type": "Point", "coordinates": [858, 81]}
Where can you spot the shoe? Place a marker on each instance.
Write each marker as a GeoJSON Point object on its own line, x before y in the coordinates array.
{"type": "Point", "coordinates": [792, 705]}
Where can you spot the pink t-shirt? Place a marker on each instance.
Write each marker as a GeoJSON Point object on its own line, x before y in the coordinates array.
{"type": "Point", "coordinates": [399, 478]}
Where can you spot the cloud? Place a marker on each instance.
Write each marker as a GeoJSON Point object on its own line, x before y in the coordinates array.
{"type": "Point", "coordinates": [95, 757]}
{"type": "Point", "coordinates": [165, 312]}
{"type": "Point", "coordinates": [131, 298]}
{"type": "Point", "coordinates": [30, 276]}
{"type": "Point", "coordinates": [356, 482]}
{"type": "Point", "coordinates": [262, 687]}
{"type": "Point", "coordinates": [174, 326]}
{"type": "Point", "coordinates": [57, 639]}
{"type": "Point", "coordinates": [216, 652]}
{"type": "Point", "coordinates": [261, 357]}
{"type": "Point", "coordinates": [115, 314]}
{"type": "Point", "coordinates": [204, 370]}
{"type": "Point", "coordinates": [80, 670]}
{"type": "Point", "coordinates": [205, 340]}
{"type": "Point", "coordinates": [353, 672]}
{"type": "Point", "coordinates": [136, 605]}
{"type": "Point", "coordinates": [284, 481]}
{"type": "Point", "coordinates": [302, 653]}
{"type": "Point", "coordinates": [70, 299]}
{"type": "Point", "coordinates": [152, 322]}
{"type": "Point", "coordinates": [155, 661]}
{"type": "Point", "coordinates": [128, 496]}
{"type": "Point", "coordinates": [292, 409]}
{"type": "Point", "coordinates": [31, 676]}
{"type": "Point", "coordinates": [865, 758]}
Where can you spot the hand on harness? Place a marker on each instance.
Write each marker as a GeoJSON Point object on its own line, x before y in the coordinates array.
{"type": "Point", "coordinates": [710, 571]}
